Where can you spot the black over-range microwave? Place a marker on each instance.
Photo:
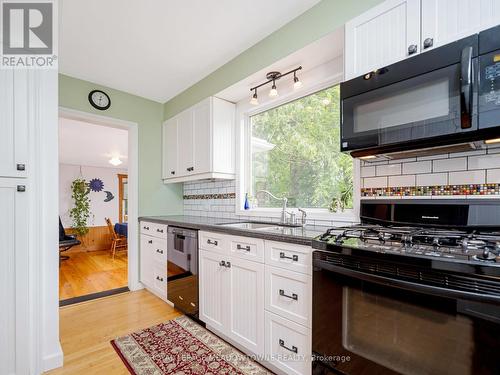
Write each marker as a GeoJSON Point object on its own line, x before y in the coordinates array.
{"type": "Point", "coordinates": [441, 97]}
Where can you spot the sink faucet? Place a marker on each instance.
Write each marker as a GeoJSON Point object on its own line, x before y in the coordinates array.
{"type": "Point", "coordinates": [283, 199]}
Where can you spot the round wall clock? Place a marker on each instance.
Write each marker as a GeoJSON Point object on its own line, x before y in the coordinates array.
{"type": "Point", "coordinates": [99, 100]}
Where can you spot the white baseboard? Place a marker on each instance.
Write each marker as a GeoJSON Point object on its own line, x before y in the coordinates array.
{"type": "Point", "coordinates": [54, 360]}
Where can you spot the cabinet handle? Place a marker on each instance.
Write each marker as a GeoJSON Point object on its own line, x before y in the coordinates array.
{"type": "Point", "coordinates": [190, 169]}
{"type": "Point", "coordinates": [21, 188]}
{"type": "Point", "coordinates": [239, 247]}
{"type": "Point", "coordinates": [147, 228]}
{"type": "Point", "coordinates": [210, 242]}
{"type": "Point", "coordinates": [159, 251]}
{"type": "Point", "coordinates": [412, 48]}
{"type": "Point", "coordinates": [222, 263]}
{"type": "Point", "coordinates": [428, 42]}
{"type": "Point", "coordinates": [159, 278]}
{"type": "Point", "coordinates": [293, 349]}
{"type": "Point", "coordinates": [159, 230]}
{"type": "Point", "coordinates": [172, 172]}
{"type": "Point", "coordinates": [150, 241]}
{"type": "Point", "coordinates": [294, 258]}
{"type": "Point", "coordinates": [293, 296]}
{"type": "Point", "coordinates": [228, 264]}
{"type": "Point", "coordinates": [21, 167]}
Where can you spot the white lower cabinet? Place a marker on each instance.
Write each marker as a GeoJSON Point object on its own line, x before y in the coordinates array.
{"type": "Point", "coordinates": [260, 308]}
{"type": "Point", "coordinates": [153, 258]}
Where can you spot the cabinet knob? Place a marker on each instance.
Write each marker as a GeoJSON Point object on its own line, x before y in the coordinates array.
{"type": "Point", "coordinates": [21, 188]}
{"type": "Point", "coordinates": [412, 48]}
{"type": "Point", "coordinates": [222, 263]}
{"type": "Point", "coordinates": [428, 42]}
{"type": "Point", "coordinates": [172, 172]}
{"type": "Point", "coordinates": [21, 167]}
{"type": "Point", "coordinates": [228, 264]}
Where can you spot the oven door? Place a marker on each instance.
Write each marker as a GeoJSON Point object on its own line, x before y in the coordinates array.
{"type": "Point", "coordinates": [438, 103]}
{"type": "Point", "coordinates": [370, 327]}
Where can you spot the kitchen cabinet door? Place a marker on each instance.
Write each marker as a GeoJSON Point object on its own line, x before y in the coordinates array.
{"type": "Point", "coordinates": [14, 262]}
{"type": "Point", "coordinates": [246, 304]}
{"type": "Point", "coordinates": [383, 35]}
{"type": "Point", "coordinates": [444, 21]}
{"type": "Point", "coordinates": [213, 289]}
{"type": "Point", "coordinates": [202, 137]}
{"type": "Point", "coordinates": [185, 143]}
{"type": "Point", "coordinates": [170, 149]}
{"type": "Point", "coordinates": [146, 261]}
{"type": "Point", "coordinates": [13, 123]}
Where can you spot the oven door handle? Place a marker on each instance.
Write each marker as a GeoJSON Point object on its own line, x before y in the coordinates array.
{"type": "Point", "coordinates": [466, 88]}
{"type": "Point", "coordinates": [408, 285]}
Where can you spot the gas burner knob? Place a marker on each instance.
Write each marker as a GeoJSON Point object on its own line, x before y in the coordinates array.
{"type": "Point", "coordinates": [487, 254]}
{"type": "Point", "coordinates": [435, 242]}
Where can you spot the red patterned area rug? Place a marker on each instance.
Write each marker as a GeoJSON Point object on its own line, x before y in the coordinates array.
{"type": "Point", "coordinates": [182, 347]}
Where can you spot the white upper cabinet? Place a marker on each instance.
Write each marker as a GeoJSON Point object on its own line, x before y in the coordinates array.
{"type": "Point", "coordinates": [198, 143]}
{"type": "Point", "coordinates": [444, 21]}
{"type": "Point", "coordinates": [13, 124]}
{"type": "Point", "coordinates": [398, 29]}
{"type": "Point", "coordinates": [383, 35]}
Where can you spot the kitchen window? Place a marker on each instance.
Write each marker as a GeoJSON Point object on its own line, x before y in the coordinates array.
{"type": "Point", "coordinates": [294, 152]}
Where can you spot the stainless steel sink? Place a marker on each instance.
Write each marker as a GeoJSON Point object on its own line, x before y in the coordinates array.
{"type": "Point", "coordinates": [255, 225]}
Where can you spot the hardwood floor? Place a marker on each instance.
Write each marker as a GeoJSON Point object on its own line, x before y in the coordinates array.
{"type": "Point", "coordinates": [87, 328]}
{"type": "Point", "coordinates": [91, 272]}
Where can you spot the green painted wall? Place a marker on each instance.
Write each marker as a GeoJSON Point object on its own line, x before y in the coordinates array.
{"type": "Point", "coordinates": [155, 198]}
{"type": "Point", "coordinates": [310, 26]}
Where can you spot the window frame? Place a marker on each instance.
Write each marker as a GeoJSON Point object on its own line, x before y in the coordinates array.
{"type": "Point", "coordinates": [245, 158]}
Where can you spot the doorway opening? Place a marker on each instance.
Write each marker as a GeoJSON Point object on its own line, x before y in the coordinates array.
{"type": "Point", "coordinates": [94, 206]}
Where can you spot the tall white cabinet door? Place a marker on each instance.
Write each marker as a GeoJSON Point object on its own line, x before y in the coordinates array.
{"type": "Point", "coordinates": [246, 304]}
{"type": "Point", "coordinates": [381, 36]}
{"type": "Point", "coordinates": [170, 149]}
{"type": "Point", "coordinates": [202, 137]}
{"type": "Point", "coordinates": [14, 261]}
{"type": "Point", "coordinates": [213, 287]}
{"type": "Point", "coordinates": [13, 124]}
{"type": "Point", "coordinates": [444, 21]}
{"type": "Point", "coordinates": [185, 140]}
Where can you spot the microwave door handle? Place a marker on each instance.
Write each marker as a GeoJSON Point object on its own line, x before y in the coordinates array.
{"type": "Point", "coordinates": [466, 88]}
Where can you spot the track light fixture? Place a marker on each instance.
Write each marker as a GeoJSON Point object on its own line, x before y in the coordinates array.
{"type": "Point", "coordinates": [273, 77]}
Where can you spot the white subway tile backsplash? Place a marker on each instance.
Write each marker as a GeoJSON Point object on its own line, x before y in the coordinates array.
{"type": "Point", "coordinates": [407, 160]}
{"type": "Point", "coordinates": [417, 167]}
{"type": "Point", "coordinates": [367, 171]}
{"type": "Point", "coordinates": [388, 170]}
{"type": "Point", "coordinates": [374, 182]}
{"type": "Point", "coordinates": [449, 165]}
{"type": "Point", "coordinates": [467, 177]}
{"type": "Point", "coordinates": [404, 180]}
{"type": "Point", "coordinates": [484, 161]}
{"type": "Point", "coordinates": [493, 176]}
{"type": "Point", "coordinates": [432, 179]}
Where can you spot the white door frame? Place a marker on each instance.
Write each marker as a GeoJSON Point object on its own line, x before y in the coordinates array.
{"type": "Point", "coordinates": [133, 184]}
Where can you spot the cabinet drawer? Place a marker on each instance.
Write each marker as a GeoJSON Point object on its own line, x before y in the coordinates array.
{"type": "Point", "coordinates": [288, 294]}
{"type": "Point", "coordinates": [154, 248]}
{"type": "Point", "coordinates": [292, 257]}
{"type": "Point", "coordinates": [288, 345]}
{"type": "Point", "coordinates": [247, 248]}
{"type": "Point", "coordinates": [154, 229]}
{"type": "Point", "coordinates": [214, 242]}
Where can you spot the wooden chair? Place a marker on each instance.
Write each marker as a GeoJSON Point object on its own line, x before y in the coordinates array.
{"type": "Point", "coordinates": [116, 240]}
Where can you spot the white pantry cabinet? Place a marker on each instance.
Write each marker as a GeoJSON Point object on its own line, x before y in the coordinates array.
{"type": "Point", "coordinates": [13, 123]}
{"type": "Point", "coordinates": [153, 258]}
{"type": "Point", "coordinates": [397, 29]}
{"type": "Point", "coordinates": [198, 143]}
{"type": "Point", "coordinates": [14, 313]}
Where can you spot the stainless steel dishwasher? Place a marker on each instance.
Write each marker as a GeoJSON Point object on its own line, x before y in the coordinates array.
{"type": "Point", "coordinates": [182, 281]}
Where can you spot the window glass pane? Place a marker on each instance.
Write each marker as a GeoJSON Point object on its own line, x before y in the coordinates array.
{"type": "Point", "coordinates": [295, 152]}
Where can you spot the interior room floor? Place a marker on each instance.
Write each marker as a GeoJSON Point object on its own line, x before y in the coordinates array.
{"type": "Point", "coordinates": [92, 272]}
{"type": "Point", "coordinates": [88, 327]}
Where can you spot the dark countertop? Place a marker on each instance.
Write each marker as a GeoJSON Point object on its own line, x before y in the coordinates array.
{"type": "Point", "coordinates": [301, 236]}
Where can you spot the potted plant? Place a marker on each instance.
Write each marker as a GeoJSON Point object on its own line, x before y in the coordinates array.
{"type": "Point", "coordinates": [80, 213]}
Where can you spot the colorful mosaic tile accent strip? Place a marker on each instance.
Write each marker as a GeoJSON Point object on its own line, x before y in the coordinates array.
{"type": "Point", "coordinates": [211, 196]}
{"type": "Point", "coordinates": [445, 190]}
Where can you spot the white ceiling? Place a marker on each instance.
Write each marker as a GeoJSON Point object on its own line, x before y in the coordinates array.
{"type": "Point", "coordinates": [158, 48]}
{"type": "Point", "coordinates": [310, 57]}
{"type": "Point", "coordinates": [82, 143]}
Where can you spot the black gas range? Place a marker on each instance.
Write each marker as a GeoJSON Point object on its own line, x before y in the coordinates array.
{"type": "Point", "coordinates": [413, 289]}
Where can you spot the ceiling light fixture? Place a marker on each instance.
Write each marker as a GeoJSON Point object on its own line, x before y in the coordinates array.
{"type": "Point", "coordinates": [273, 77]}
{"type": "Point", "coordinates": [115, 160]}
{"type": "Point", "coordinates": [254, 100]}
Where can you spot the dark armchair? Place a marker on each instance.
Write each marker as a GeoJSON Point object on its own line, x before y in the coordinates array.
{"type": "Point", "coordinates": [66, 242]}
